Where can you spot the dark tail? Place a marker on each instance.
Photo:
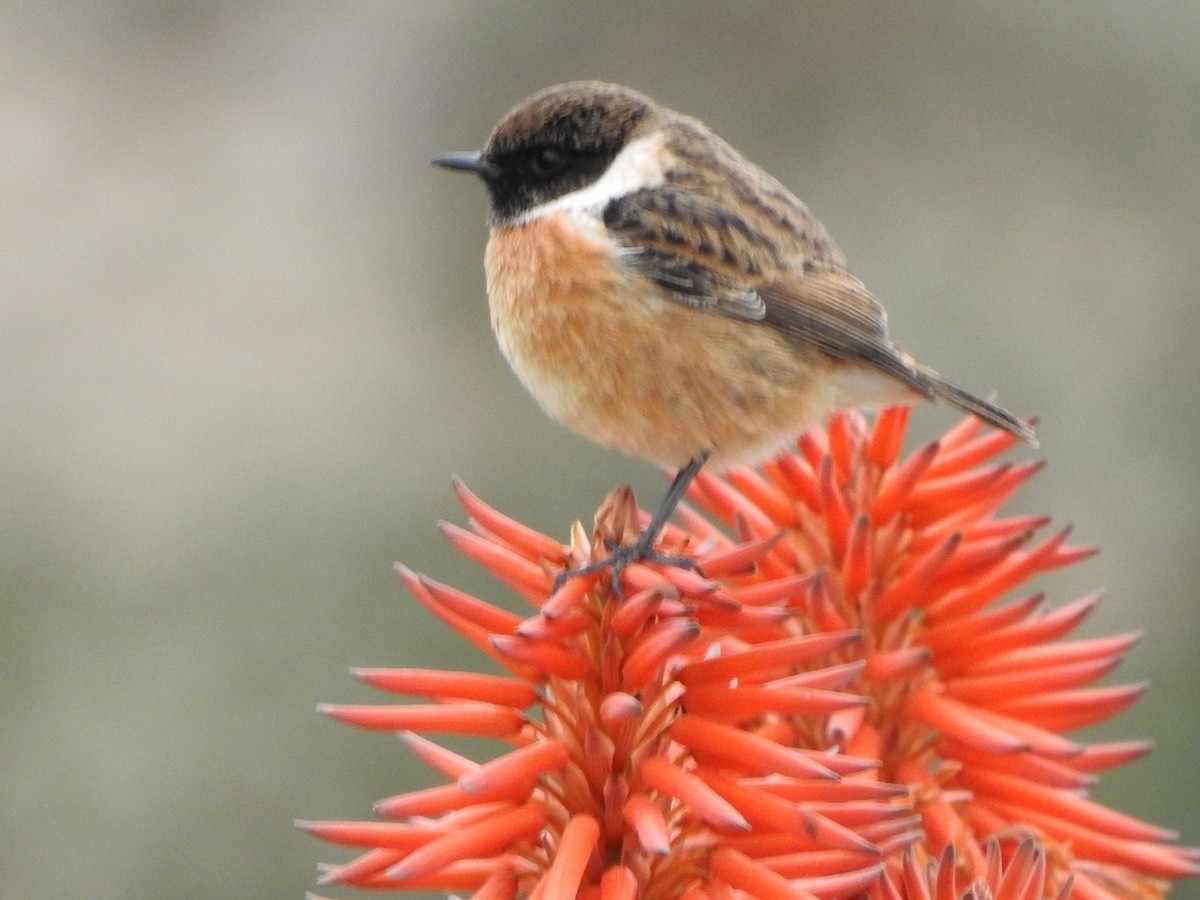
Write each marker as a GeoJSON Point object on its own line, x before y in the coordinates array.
{"type": "Point", "coordinates": [941, 389]}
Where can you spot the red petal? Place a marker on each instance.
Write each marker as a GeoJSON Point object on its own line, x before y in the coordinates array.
{"type": "Point", "coordinates": [652, 647]}
{"type": "Point", "coordinates": [449, 798]}
{"type": "Point", "coordinates": [543, 656]}
{"type": "Point", "coordinates": [898, 484]}
{"type": "Point", "coordinates": [958, 455]}
{"type": "Point", "coordinates": [558, 628]}
{"type": "Point", "coordinates": [445, 762]}
{"type": "Point", "coordinates": [478, 719]}
{"type": "Point", "coordinates": [1068, 710]}
{"type": "Point", "coordinates": [1098, 757]}
{"type": "Point", "coordinates": [626, 618]}
{"type": "Point", "coordinates": [727, 503]}
{"type": "Point", "coordinates": [909, 590]}
{"type": "Point", "coordinates": [461, 876]}
{"type": "Point", "coordinates": [834, 509]}
{"type": "Point", "coordinates": [811, 864]}
{"type": "Point", "coordinates": [618, 883]}
{"type": "Point", "coordinates": [848, 790]}
{"type": "Point", "coordinates": [362, 867]}
{"type": "Point", "coordinates": [846, 884]}
{"type": "Point", "coordinates": [571, 858]}
{"type": "Point", "coordinates": [639, 578]}
{"type": "Point", "coordinates": [823, 610]}
{"type": "Point", "coordinates": [533, 543]}
{"type": "Point", "coordinates": [960, 722]}
{"type": "Point", "coordinates": [737, 558]}
{"type": "Point", "coordinates": [856, 566]}
{"type": "Point", "coordinates": [526, 578]}
{"type": "Point", "coordinates": [846, 431]}
{"type": "Point", "coordinates": [742, 703]}
{"type": "Point", "coordinates": [1071, 807]}
{"type": "Point", "coordinates": [685, 581]}
{"type": "Point", "coordinates": [483, 615]}
{"type": "Point", "coordinates": [501, 885]}
{"type": "Point", "coordinates": [999, 691]}
{"type": "Point", "coordinates": [955, 642]}
{"type": "Point", "coordinates": [764, 661]}
{"type": "Point", "coordinates": [384, 835]}
{"type": "Point", "coordinates": [703, 801]}
{"type": "Point", "coordinates": [830, 677]}
{"type": "Point", "coordinates": [915, 881]}
{"type": "Point", "coordinates": [974, 557]}
{"type": "Point", "coordinates": [648, 823]}
{"type": "Point", "coordinates": [774, 504]}
{"type": "Point", "coordinates": [438, 684]}
{"type": "Point", "coordinates": [887, 437]}
{"type": "Point", "coordinates": [1050, 772]}
{"type": "Point", "coordinates": [1040, 740]}
{"type": "Point", "coordinates": [525, 764]}
{"type": "Point", "coordinates": [465, 614]}
{"type": "Point", "coordinates": [797, 477]}
{"type": "Point", "coordinates": [1004, 638]}
{"type": "Point", "coordinates": [481, 840]}
{"type": "Point", "coordinates": [887, 665]}
{"type": "Point", "coordinates": [766, 813]}
{"type": "Point", "coordinates": [1008, 574]}
{"type": "Point", "coordinates": [569, 596]}
{"type": "Point", "coordinates": [1112, 647]}
{"type": "Point", "coordinates": [789, 589]}
{"type": "Point", "coordinates": [939, 496]}
{"type": "Point", "coordinates": [748, 752]}
{"type": "Point", "coordinates": [755, 879]}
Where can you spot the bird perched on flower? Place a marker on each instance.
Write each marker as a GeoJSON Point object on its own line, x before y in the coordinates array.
{"type": "Point", "coordinates": [658, 293]}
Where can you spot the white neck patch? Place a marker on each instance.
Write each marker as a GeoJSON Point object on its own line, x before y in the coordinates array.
{"type": "Point", "coordinates": [638, 165]}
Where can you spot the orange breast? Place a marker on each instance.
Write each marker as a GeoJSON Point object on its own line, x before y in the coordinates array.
{"type": "Point", "coordinates": [608, 355]}
{"type": "Point", "coordinates": [557, 297]}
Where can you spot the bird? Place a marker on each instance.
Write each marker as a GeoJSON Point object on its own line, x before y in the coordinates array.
{"type": "Point", "coordinates": [660, 294]}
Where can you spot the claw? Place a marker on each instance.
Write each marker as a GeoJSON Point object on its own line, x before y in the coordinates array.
{"type": "Point", "coordinates": [620, 557]}
{"type": "Point", "coordinates": [641, 550]}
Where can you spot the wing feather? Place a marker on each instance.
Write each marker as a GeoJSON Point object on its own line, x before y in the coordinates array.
{"type": "Point", "coordinates": [831, 309]}
{"type": "Point", "coordinates": [785, 274]}
{"type": "Point", "coordinates": [709, 258]}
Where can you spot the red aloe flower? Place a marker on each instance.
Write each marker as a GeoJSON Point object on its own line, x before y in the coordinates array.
{"type": "Point", "coordinates": [845, 705]}
{"type": "Point", "coordinates": [971, 693]}
{"type": "Point", "coordinates": [646, 761]}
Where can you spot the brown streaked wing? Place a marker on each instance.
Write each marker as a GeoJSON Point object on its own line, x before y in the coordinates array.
{"type": "Point", "coordinates": [706, 257]}
{"type": "Point", "coordinates": [831, 309]}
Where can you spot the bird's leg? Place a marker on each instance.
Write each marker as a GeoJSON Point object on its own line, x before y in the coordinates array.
{"type": "Point", "coordinates": [643, 547]}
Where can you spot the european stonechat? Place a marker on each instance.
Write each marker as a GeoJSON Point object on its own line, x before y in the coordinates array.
{"type": "Point", "coordinates": [658, 293]}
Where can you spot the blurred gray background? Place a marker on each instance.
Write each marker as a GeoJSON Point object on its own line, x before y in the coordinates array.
{"type": "Point", "coordinates": [245, 345]}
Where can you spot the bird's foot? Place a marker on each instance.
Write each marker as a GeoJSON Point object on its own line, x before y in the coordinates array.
{"type": "Point", "coordinates": [622, 556]}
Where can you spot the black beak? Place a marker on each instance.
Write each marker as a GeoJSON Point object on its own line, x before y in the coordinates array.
{"type": "Point", "coordinates": [467, 161]}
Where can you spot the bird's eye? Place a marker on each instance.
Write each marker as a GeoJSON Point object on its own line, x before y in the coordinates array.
{"type": "Point", "coordinates": [547, 161]}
